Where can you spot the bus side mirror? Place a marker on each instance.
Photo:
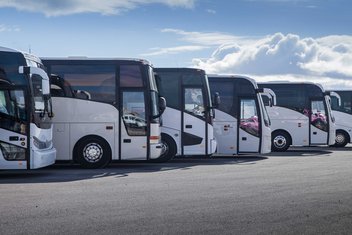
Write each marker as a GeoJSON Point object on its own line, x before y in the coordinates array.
{"type": "Point", "coordinates": [216, 100]}
{"type": "Point", "coordinates": [162, 105]}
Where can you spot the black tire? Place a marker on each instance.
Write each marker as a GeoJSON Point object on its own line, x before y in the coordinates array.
{"type": "Point", "coordinates": [92, 152]}
{"type": "Point", "coordinates": [341, 139]}
{"type": "Point", "coordinates": [170, 149]}
{"type": "Point", "coordinates": [280, 141]}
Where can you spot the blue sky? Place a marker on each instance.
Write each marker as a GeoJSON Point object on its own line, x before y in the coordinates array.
{"type": "Point", "coordinates": [266, 39]}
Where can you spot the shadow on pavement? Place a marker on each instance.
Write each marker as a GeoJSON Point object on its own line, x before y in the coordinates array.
{"type": "Point", "coordinates": [71, 172]}
{"type": "Point", "coordinates": [302, 152]}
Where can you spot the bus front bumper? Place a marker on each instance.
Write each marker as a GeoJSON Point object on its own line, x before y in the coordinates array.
{"type": "Point", "coordinates": [44, 158]}
{"type": "Point", "coordinates": [156, 150]}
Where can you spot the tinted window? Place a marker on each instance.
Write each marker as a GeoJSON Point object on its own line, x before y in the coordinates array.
{"type": "Point", "coordinates": [131, 76]}
{"type": "Point", "coordinates": [9, 64]}
{"type": "Point", "coordinates": [346, 102]}
{"type": "Point", "coordinates": [192, 78]}
{"type": "Point", "coordinates": [169, 88]}
{"type": "Point", "coordinates": [229, 92]}
{"type": "Point", "coordinates": [226, 91]}
{"type": "Point", "coordinates": [291, 96]}
{"type": "Point", "coordinates": [95, 82]}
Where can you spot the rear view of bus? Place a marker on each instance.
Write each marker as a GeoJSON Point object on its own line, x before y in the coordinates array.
{"type": "Point", "coordinates": [301, 117]}
{"type": "Point", "coordinates": [187, 127]}
{"type": "Point", "coordinates": [106, 109]}
{"type": "Point", "coordinates": [241, 123]}
{"type": "Point", "coordinates": [25, 112]}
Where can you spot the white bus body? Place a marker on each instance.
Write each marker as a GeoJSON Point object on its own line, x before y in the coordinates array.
{"type": "Point", "coordinates": [341, 105]}
{"type": "Point", "coordinates": [25, 111]}
{"type": "Point", "coordinates": [302, 116]}
{"type": "Point", "coordinates": [187, 127]}
{"type": "Point", "coordinates": [105, 109]}
{"type": "Point", "coordinates": [240, 100]}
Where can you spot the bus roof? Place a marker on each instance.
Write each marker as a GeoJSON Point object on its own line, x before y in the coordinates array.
{"type": "Point", "coordinates": [296, 83]}
{"type": "Point", "coordinates": [180, 69]}
{"type": "Point", "coordinates": [84, 58]}
{"type": "Point", "coordinates": [24, 54]}
{"type": "Point", "coordinates": [5, 49]}
{"type": "Point", "coordinates": [234, 76]}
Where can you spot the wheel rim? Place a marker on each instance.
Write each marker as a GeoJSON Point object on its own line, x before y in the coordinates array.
{"type": "Point", "coordinates": [340, 138]}
{"type": "Point", "coordinates": [92, 152]}
{"type": "Point", "coordinates": [280, 141]}
{"type": "Point", "coordinates": [166, 148]}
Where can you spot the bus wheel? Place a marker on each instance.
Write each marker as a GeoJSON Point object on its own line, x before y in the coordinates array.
{"type": "Point", "coordinates": [280, 141]}
{"type": "Point", "coordinates": [170, 149]}
{"type": "Point", "coordinates": [92, 152]}
{"type": "Point", "coordinates": [341, 139]}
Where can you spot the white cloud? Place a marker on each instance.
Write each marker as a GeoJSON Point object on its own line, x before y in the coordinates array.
{"type": "Point", "coordinates": [284, 54]}
{"type": "Point", "coordinates": [329, 83]}
{"type": "Point", "coordinates": [173, 50]}
{"type": "Point", "coordinates": [211, 11]}
{"type": "Point", "coordinates": [209, 39]}
{"type": "Point", "coordinates": [105, 7]}
{"type": "Point", "coordinates": [6, 28]}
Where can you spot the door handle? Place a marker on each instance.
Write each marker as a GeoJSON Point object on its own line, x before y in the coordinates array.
{"type": "Point", "coordinates": [188, 126]}
{"type": "Point", "coordinates": [314, 133]}
{"type": "Point", "coordinates": [244, 138]}
{"type": "Point", "coordinates": [127, 140]}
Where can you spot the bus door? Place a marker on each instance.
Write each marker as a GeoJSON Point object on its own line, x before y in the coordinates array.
{"type": "Point", "coordinates": [14, 129]}
{"type": "Point", "coordinates": [133, 125]}
{"type": "Point", "coordinates": [194, 125]}
{"type": "Point", "coordinates": [249, 126]}
{"type": "Point", "coordinates": [319, 125]}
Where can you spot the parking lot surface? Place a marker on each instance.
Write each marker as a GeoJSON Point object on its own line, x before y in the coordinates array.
{"type": "Point", "coordinates": [305, 190]}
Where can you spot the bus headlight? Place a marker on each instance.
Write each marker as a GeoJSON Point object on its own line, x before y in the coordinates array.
{"type": "Point", "coordinates": [12, 152]}
{"type": "Point", "coordinates": [41, 144]}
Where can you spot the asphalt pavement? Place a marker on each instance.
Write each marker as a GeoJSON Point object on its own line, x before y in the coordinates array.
{"type": "Point", "coordinates": [302, 191]}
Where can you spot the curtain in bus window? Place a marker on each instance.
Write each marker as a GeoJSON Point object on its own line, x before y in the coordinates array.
{"type": "Point", "coordinates": [134, 116]}
{"type": "Point", "coordinates": [318, 115]}
{"type": "Point", "coordinates": [249, 117]}
{"type": "Point", "coordinates": [194, 101]}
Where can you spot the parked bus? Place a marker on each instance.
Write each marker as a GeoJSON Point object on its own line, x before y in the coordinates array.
{"type": "Point", "coordinates": [106, 109]}
{"type": "Point", "coordinates": [341, 104]}
{"type": "Point", "coordinates": [302, 116]}
{"type": "Point", "coordinates": [25, 112]}
{"type": "Point", "coordinates": [188, 119]}
{"type": "Point", "coordinates": [241, 123]}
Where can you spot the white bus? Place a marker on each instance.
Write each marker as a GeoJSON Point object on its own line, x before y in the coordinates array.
{"type": "Point", "coordinates": [187, 123]}
{"type": "Point", "coordinates": [341, 105]}
{"type": "Point", "coordinates": [105, 109]}
{"type": "Point", "coordinates": [301, 117]}
{"type": "Point", "coordinates": [241, 123]}
{"type": "Point", "coordinates": [25, 112]}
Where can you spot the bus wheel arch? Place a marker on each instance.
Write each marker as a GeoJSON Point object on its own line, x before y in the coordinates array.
{"type": "Point", "coordinates": [170, 148]}
{"type": "Point", "coordinates": [280, 140]}
{"type": "Point", "coordinates": [92, 151]}
{"type": "Point", "coordinates": [342, 138]}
